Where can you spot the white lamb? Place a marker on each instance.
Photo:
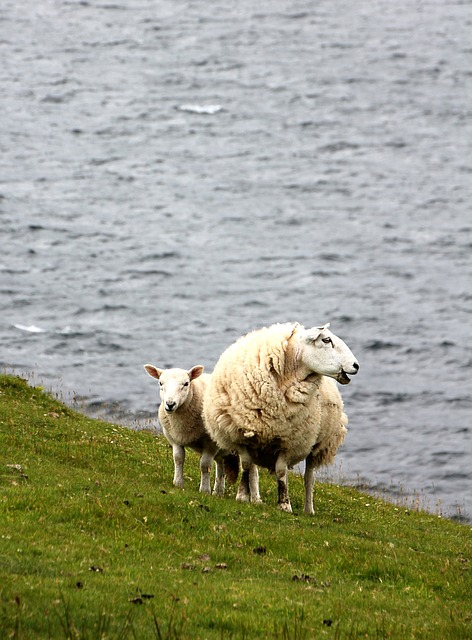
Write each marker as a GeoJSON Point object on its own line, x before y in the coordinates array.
{"type": "Point", "coordinates": [273, 399]}
{"type": "Point", "coordinates": [180, 416]}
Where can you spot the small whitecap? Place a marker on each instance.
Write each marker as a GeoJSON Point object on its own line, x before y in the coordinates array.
{"type": "Point", "coordinates": [209, 109]}
{"type": "Point", "coordinates": [32, 328]}
{"type": "Point", "coordinates": [66, 331]}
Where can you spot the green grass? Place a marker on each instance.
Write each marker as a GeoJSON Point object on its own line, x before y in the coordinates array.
{"type": "Point", "coordinates": [96, 543]}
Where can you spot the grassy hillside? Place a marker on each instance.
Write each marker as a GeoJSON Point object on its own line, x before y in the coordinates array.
{"type": "Point", "coordinates": [96, 543]}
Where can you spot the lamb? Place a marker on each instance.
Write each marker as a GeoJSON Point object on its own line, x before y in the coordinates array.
{"type": "Point", "coordinates": [273, 399]}
{"type": "Point", "coordinates": [180, 416]}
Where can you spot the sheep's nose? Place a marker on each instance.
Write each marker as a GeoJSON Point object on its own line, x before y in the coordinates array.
{"type": "Point", "coordinates": [356, 366]}
{"type": "Point", "coordinates": [170, 406]}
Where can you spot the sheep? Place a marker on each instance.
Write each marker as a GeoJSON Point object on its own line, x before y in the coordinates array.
{"type": "Point", "coordinates": [180, 416]}
{"type": "Point", "coordinates": [272, 397]}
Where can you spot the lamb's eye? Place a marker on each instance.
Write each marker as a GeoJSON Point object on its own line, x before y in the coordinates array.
{"type": "Point", "coordinates": [185, 384]}
{"type": "Point", "coordinates": [327, 340]}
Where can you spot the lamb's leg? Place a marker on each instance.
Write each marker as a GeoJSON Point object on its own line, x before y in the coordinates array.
{"type": "Point", "coordinates": [244, 490]}
{"type": "Point", "coordinates": [219, 486]}
{"type": "Point", "coordinates": [281, 471]}
{"type": "Point", "coordinates": [309, 482]}
{"type": "Point", "coordinates": [254, 484]}
{"type": "Point", "coordinates": [178, 453]}
{"type": "Point", "coordinates": [205, 468]}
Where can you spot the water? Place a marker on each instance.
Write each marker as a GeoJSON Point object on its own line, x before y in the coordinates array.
{"type": "Point", "coordinates": [174, 174]}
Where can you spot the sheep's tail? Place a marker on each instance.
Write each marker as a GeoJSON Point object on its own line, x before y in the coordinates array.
{"type": "Point", "coordinates": [231, 462]}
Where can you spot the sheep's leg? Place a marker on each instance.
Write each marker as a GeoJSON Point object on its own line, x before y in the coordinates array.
{"type": "Point", "coordinates": [244, 490]}
{"type": "Point", "coordinates": [205, 468]}
{"type": "Point", "coordinates": [219, 486]}
{"type": "Point", "coordinates": [309, 483]}
{"type": "Point", "coordinates": [254, 484]}
{"type": "Point", "coordinates": [281, 471]}
{"type": "Point", "coordinates": [178, 453]}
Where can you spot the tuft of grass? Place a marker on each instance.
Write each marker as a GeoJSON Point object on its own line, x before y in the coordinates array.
{"type": "Point", "coordinates": [95, 542]}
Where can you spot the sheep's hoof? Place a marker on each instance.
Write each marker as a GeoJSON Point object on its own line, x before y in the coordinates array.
{"type": "Point", "coordinates": [242, 497]}
{"type": "Point", "coordinates": [285, 506]}
{"type": "Point", "coordinates": [219, 491]}
{"type": "Point", "coordinates": [206, 490]}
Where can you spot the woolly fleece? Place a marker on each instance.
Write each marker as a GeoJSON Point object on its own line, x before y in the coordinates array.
{"type": "Point", "coordinates": [255, 400]}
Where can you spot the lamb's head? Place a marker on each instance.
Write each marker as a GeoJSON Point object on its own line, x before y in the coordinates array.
{"type": "Point", "coordinates": [174, 384]}
{"type": "Point", "coordinates": [320, 351]}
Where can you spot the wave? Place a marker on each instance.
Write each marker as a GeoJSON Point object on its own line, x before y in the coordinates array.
{"type": "Point", "coordinates": [208, 109]}
{"type": "Point", "coordinates": [376, 345]}
{"type": "Point", "coordinates": [32, 328]}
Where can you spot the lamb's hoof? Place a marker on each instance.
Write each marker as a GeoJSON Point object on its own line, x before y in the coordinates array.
{"type": "Point", "coordinates": [219, 491]}
{"type": "Point", "coordinates": [256, 500]}
{"type": "Point", "coordinates": [179, 484]}
{"type": "Point", "coordinates": [242, 497]}
{"type": "Point", "coordinates": [285, 506]}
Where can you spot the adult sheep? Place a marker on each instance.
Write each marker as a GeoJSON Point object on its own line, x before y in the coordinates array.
{"type": "Point", "coordinates": [180, 416]}
{"type": "Point", "coordinates": [273, 398]}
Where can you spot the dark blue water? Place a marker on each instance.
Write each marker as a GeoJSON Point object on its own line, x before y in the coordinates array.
{"type": "Point", "coordinates": [174, 174]}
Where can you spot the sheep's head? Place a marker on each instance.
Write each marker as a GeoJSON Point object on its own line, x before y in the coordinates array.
{"type": "Point", "coordinates": [174, 384]}
{"type": "Point", "coordinates": [320, 351]}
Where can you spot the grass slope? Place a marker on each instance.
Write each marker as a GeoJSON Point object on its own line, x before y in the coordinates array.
{"type": "Point", "coordinates": [96, 543]}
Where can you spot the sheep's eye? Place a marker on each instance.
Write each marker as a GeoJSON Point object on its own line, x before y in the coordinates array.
{"type": "Point", "coordinates": [327, 341]}
{"type": "Point", "coordinates": [186, 384]}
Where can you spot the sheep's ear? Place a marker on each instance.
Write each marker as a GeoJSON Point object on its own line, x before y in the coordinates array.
{"type": "Point", "coordinates": [312, 334]}
{"type": "Point", "coordinates": [153, 371]}
{"type": "Point", "coordinates": [196, 371]}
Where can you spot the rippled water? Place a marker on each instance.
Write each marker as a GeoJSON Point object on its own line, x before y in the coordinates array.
{"type": "Point", "coordinates": [174, 174]}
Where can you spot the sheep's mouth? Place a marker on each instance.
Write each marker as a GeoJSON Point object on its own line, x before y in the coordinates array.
{"type": "Point", "coordinates": [343, 378]}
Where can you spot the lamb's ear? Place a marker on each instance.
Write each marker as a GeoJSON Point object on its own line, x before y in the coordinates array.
{"type": "Point", "coordinates": [196, 371]}
{"type": "Point", "coordinates": [153, 371]}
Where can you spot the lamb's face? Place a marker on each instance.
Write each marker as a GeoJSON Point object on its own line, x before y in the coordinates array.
{"type": "Point", "coordinates": [174, 384]}
{"type": "Point", "coordinates": [324, 353]}
{"type": "Point", "coordinates": [174, 387]}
